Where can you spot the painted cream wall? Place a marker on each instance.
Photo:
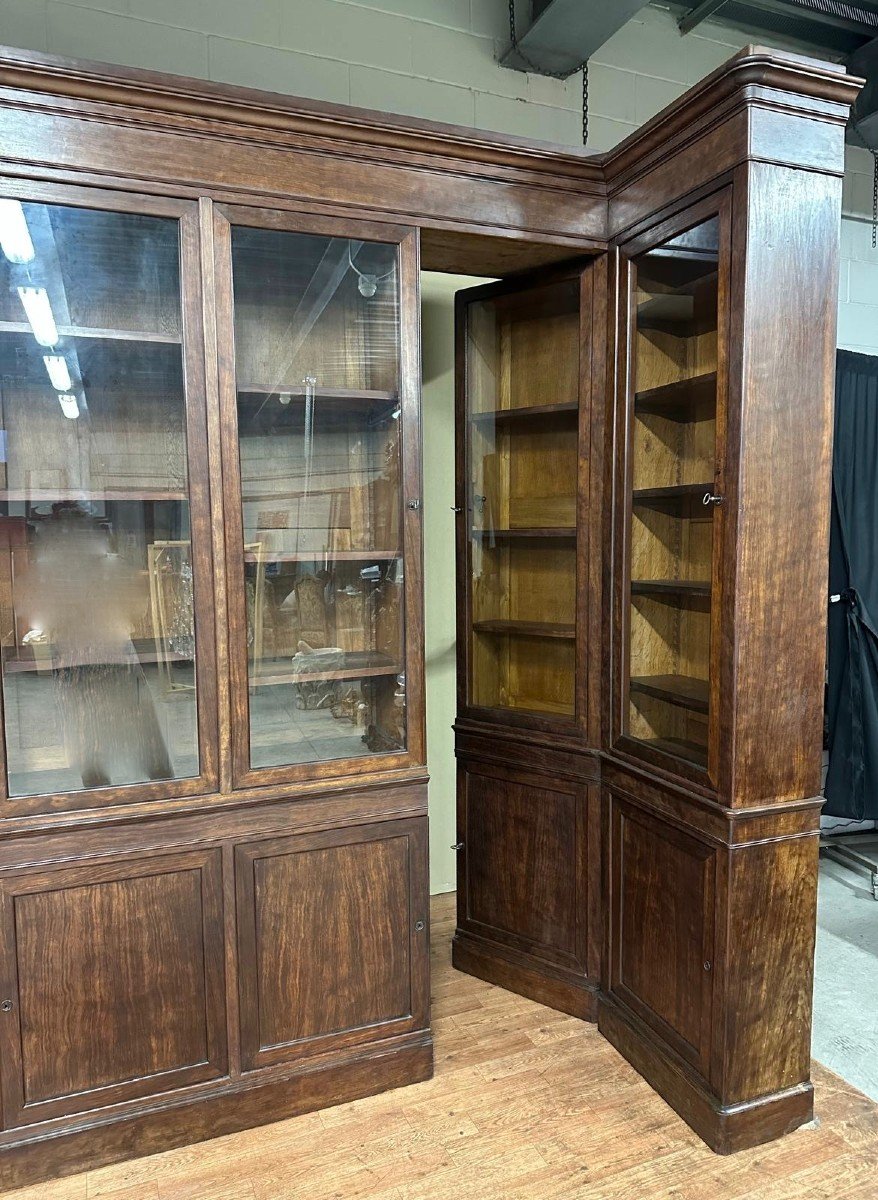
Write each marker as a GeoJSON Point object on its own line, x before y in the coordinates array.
{"type": "Point", "coordinates": [436, 59]}
{"type": "Point", "coordinates": [437, 357]}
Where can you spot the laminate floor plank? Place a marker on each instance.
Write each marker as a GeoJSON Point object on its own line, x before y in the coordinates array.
{"type": "Point", "coordinates": [526, 1104]}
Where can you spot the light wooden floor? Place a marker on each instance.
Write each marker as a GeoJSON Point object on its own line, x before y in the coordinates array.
{"type": "Point", "coordinates": [526, 1102]}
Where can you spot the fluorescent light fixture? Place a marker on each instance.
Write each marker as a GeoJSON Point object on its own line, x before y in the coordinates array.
{"type": "Point", "coordinates": [59, 373]}
{"type": "Point", "coordinates": [15, 239]}
{"type": "Point", "coordinates": [39, 312]}
{"type": "Point", "coordinates": [69, 407]}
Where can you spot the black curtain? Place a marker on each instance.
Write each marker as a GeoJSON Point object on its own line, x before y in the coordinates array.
{"type": "Point", "coordinates": [852, 694]}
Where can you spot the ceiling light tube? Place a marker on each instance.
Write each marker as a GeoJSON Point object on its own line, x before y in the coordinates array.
{"type": "Point", "coordinates": [15, 239]}
{"type": "Point", "coordinates": [69, 406]}
{"type": "Point", "coordinates": [59, 373]}
{"type": "Point", "coordinates": [39, 312]}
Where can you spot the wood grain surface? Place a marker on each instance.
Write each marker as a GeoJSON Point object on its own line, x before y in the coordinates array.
{"type": "Point", "coordinates": [526, 1102]}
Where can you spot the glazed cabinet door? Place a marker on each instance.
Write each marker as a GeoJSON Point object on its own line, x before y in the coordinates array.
{"type": "Point", "coordinates": [111, 983]}
{"type": "Point", "coordinates": [322, 467]}
{"type": "Point", "coordinates": [106, 610]}
{"type": "Point", "coordinates": [523, 365]}
{"type": "Point", "coordinates": [672, 500]}
{"type": "Point", "coordinates": [333, 940]}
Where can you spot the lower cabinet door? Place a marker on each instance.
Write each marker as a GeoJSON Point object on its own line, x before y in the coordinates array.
{"type": "Point", "coordinates": [111, 983]}
{"type": "Point", "coordinates": [663, 929]}
{"type": "Point", "coordinates": [333, 939]}
{"type": "Point", "coordinates": [523, 866]}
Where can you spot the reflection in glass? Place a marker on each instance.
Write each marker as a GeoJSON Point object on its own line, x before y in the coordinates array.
{"type": "Point", "coordinates": [673, 475]}
{"type": "Point", "coordinates": [523, 397]}
{"type": "Point", "coordinates": [96, 600]}
{"type": "Point", "coordinates": [317, 363]}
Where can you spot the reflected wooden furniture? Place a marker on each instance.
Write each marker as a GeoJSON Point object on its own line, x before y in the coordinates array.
{"type": "Point", "coordinates": [633, 848]}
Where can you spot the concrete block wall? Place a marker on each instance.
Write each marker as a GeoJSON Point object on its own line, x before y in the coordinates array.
{"type": "Point", "coordinates": [428, 58]}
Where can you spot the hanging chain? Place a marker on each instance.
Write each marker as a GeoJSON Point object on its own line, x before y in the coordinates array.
{"type": "Point", "coordinates": [531, 66]}
{"type": "Point", "coordinates": [585, 104]}
{"type": "Point", "coordinates": [875, 200]}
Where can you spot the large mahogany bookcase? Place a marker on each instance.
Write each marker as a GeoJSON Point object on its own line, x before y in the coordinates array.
{"type": "Point", "coordinates": [213, 874]}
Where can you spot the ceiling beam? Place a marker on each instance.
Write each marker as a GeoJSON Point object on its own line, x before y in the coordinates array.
{"type": "Point", "coordinates": [698, 14]}
{"type": "Point", "coordinates": [566, 32]}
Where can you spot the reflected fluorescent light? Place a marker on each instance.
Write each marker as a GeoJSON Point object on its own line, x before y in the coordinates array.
{"type": "Point", "coordinates": [59, 373]}
{"type": "Point", "coordinates": [69, 406]}
{"type": "Point", "coordinates": [15, 239]}
{"type": "Point", "coordinates": [35, 301]}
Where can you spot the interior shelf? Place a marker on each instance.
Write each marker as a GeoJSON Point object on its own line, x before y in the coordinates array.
{"type": "Point", "coordinates": [685, 311]}
{"type": "Point", "coordinates": [682, 690]}
{"type": "Point", "coordinates": [679, 491]}
{"type": "Point", "coordinates": [297, 392]}
{"type": "Point", "coordinates": [544, 629]}
{"type": "Point", "coordinates": [678, 401]}
{"type": "Point", "coordinates": [670, 587]}
{"type": "Point", "coordinates": [57, 495]}
{"type": "Point", "coordinates": [359, 665]}
{"type": "Point", "coordinates": [323, 555]}
{"type": "Point", "coordinates": [531, 412]}
{"type": "Point", "coordinates": [693, 752]}
{"type": "Point", "coordinates": [115, 335]}
{"type": "Point", "coordinates": [561, 532]}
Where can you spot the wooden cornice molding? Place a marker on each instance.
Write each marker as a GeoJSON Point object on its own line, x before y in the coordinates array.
{"type": "Point", "coordinates": [157, 100]}
{"type": "Point", "coordinates": [755, 76]}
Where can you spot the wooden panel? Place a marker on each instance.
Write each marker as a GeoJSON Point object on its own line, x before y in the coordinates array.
{"type": "Point", "coordinates": [786, 233]}
{"type": "Point", "coordinates": [773, 918]}
{"type": "Point", "coordinates": [523, 864]}
{"type": "Point", "coordinates": [663, 929]}
{"type": "Point", "coordinates": [332, 939]}
{"type": "Point", "coordinates": [115, 978]}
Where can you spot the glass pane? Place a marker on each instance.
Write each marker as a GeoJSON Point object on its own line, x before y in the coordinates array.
{"type": "Point", "coordinates": [317, 360]}
{"type": "Point", "coordinates": [523, 397]}
{"type": "Point", "coordinates": [96, 592]}
{"type": "Point", "coordinates": [674, 470]}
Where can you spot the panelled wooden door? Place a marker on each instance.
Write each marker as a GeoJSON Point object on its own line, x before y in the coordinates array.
{"type": "Point", "coordinates": [319, 397]}
{"type": "Point", "coordinates": [664, 904]}
{"type": "Point", "coordinates": [106, 590]}
{"type": "Point", "coordinates": [111, 982]}
{"type": "Point", "coordinates": [523, 866]}
{"type": "Point", "coordinates": [333, 939]}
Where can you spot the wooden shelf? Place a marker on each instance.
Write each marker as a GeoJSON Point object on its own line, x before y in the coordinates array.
{"type": "Point", "coordinates": [359, 665]}
{"type": "Point", "coordinates": [113, 335]}
{"type": "Point", "coordinates": [680, 491]}
{"type": "Point", "coordinates": [297, 391]}
{"type": "Point", "coordinates": [322, 555]}
{"type": "Point", "coordinates": [506, 535]}
{"type": "Point", "coordinates": [533, 412]}
{"type": "Point", "coordinates": [541, 629]}
{"type": "Point", "coordinates": [685, 311]}
{"type": "Point", "coordinates": [58, 495]}
{"type": "Point", "coordinates": [682, 690]}
{"type": "Point", "coordinates": [683, 588]}
{"type": "Point", "coordinates": [679, 401]}
{"type": "Point", "coordinates": [692, 752]}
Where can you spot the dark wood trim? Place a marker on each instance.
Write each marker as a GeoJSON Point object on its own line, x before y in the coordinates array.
{"type": "Point", "coordinates": [525, 976]}
{"type": "Point", "coordinates": [725, 1128]}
